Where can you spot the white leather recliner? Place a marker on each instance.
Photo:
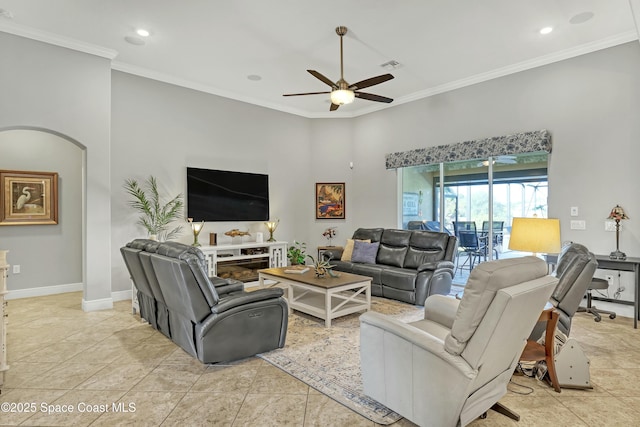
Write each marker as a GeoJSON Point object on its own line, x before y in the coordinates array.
{"type": "Point", "coordinates": [454, 365]}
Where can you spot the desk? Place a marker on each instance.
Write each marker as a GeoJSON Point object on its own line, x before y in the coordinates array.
{"type": "Point", "coordinates": [629, 264]}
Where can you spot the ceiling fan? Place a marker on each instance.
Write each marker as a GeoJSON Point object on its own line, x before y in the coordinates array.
{"type": "Point", "coordinates": [341, 91]}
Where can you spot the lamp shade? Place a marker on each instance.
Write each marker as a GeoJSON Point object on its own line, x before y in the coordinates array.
{"type": "Point", "coordinates": [618, 213]}
{"type": "Point", "coordinates": [536, 235]}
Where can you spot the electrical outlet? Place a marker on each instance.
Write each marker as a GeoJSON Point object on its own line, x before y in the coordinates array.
{"type": "Point", "coordinates": [609, 279]}
{"type": "Point", "coordinates": [609, 226]}
{"type": "Point", "coordinates": [16, 269]}
{"type": "Point", "coordinates": [578, 225]}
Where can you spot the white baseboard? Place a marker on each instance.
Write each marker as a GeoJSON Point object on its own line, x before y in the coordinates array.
{"type": "Point", "coordinates": [121, 295]}
{"type": "Point", "coordinates": [97, 304]}
{"type": "Point", "coordinates": [94, 305]}
{"type": "Point", "coordinates": [43, 290]}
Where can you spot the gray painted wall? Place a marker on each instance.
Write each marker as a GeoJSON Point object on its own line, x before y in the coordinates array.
{"type": "Point", "coordinates": [68, 92]}
{"type": "Point", "coordinates": [48, 255]}
{"type": "Point", "coordinates": [160, 129]}
{"type": "Point", "coordinates": [590, 104]}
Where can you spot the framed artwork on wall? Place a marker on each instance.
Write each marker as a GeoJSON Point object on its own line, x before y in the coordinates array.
{"type": "Point", "coordinates": [330, 198]}
{"type": "Point", "coordinates": [28, 198]}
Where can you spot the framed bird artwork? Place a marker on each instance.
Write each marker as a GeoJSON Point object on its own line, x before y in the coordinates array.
{"type": "Point", "coordinates": [28, 198]}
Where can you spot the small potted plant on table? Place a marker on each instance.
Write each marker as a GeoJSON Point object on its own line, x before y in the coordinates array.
{"type": "Point", "coordinates": [297, 253]}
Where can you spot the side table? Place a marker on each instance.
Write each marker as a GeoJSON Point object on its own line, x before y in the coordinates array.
{"type": "Point", "coordinates": [323, 249]}
{"type": "Point", "coordinates": [535, 352]}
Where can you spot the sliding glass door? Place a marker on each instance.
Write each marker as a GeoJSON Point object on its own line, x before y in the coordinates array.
{"type": "Point", "coordinates": [479, 196]}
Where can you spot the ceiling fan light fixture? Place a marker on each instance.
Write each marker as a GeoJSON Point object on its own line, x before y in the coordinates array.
{"type": "Point", "coordinates": [342, 96]}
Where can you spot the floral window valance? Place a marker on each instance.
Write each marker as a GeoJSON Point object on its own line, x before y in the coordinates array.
{"type": "Point", "coordinates": [525, 142]}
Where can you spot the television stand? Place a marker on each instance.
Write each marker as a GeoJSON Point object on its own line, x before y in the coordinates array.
{"type": "Point", "coordinates": [242, 261]}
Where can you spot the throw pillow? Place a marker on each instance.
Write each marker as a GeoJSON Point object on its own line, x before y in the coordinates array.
{"type": "Point", "coordinates": [348, 249]}
{"type": "Point", "coordinates": [365, 252]}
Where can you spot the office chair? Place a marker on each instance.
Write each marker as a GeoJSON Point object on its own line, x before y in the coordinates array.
{"type": "Point", "coordinates": [596, 284]}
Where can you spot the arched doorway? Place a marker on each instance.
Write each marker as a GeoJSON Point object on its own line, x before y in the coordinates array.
{"type": "Point", "coordinates": [51, 258]}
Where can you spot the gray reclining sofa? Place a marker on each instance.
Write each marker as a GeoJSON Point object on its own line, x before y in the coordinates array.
{"type": "Point", "coordinates": [212, 319]}
{"type": "Point", "coordinates": [409, 266]}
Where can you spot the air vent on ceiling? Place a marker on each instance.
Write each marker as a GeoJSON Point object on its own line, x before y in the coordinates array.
{"type": "Point", "coordinates": [4, 13]}
{"type": "Point", "coordinates": [391, 65]}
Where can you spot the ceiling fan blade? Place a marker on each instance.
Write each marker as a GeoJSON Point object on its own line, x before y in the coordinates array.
{"type": "Point", "coordinates": [322, 78]}
{"type": "Point", "coordinates": [307, 93]}
{"type": "Point", "coordinates": [372, 97]}
{"type": "Point", "coordinates": [371, 82]}
{"type": "Point", "coordinates": [333, 107]}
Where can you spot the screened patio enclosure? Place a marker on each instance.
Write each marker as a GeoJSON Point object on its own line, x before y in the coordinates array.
{"type": "Point", "coordinates": [475, 199]}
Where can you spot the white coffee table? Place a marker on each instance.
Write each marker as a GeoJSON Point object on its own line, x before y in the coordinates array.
{"type": "Point", "coordinates": [327, 297]}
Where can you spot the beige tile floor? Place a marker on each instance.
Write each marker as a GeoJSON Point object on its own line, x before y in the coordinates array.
{"type": "Point", "coordinates": [112, 369]}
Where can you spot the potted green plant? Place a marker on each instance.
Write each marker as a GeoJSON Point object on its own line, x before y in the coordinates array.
{"type": "Point", "coordinates": [297, 253]}
{"type": "Point", "coordinates": [156, 217]}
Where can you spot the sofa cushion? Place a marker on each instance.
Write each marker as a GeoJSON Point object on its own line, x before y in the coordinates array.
{"type": "Point", "coordinates": [373, 234]}
{"type": "Point", "coordinates": [372, 270]}
{"type": "Point", "coordinates": [364, 252]}
{"type": "Point", "coordinates": [348, 249]}
{"type": "Point", "coordinates": [399, 278]}
{"type": "Point", "coordinates": [393, 247]}
{"type": "Point", "coordinates": [425, 246]}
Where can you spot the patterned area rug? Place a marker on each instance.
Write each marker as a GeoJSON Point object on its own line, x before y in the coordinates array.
{"type": "Point", "coordinates": [328, 359]}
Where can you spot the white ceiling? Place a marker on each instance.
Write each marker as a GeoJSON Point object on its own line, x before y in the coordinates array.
{"type": "Point", "coordinates": [214, 45]}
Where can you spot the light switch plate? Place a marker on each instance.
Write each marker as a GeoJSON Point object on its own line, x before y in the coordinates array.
{"type": "Point", "coordinates": [574, 211]}
{"type": "Point", "coordinates": [578, 225]}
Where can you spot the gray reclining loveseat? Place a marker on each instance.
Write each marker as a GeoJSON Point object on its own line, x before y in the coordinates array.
{"type": "Point", "coordinates": [212, 319]}
{"type": "Point", "coordinates": [409, 265]}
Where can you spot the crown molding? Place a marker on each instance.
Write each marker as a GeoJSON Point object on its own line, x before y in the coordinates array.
{"type": "Point", "coordinates": [177, 81]}
{"type": "Point", "coordinates": [523, 66]}
{"type": "Point", "coordinates": [70, 43]}
{"type": "Point", "coordinates": [57, 40]}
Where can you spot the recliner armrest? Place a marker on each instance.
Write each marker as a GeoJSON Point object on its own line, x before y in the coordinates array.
{"type": "Point", "coordinates": [228, 287]}
{"type": "Point", "coordinates": [441, 309]}
{"type": "Point", "coordinates": [429, 343]}
{"type": "Point", "coordinates": [234, 300]}
{"type": "Point", "coordinates": [333, 254]}
{"type": "Point", "coordinates": [435, 265]}
{"type": "Point", "coordinates": [225, 286]}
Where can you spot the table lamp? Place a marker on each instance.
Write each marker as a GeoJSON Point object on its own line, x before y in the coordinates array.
{"type": "Point", "coordinates": [535, 235]}
{"type": "Point", "coordinates": [196, 228]}
{"type": "Point", "coordinates": [271, 226]}
{"type": "Point", "coordinates": [617, 214]}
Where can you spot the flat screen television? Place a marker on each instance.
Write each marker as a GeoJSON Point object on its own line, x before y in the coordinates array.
{"type": "Point", "coordinates": [217, 195]}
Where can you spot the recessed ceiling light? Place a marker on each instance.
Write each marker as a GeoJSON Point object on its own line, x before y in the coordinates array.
{"type": "Point", "coordinates": [546, 30]}
{"type": "Point", "coordinates": [142, 32]}
{"type": "Point", "coordinates": [254, 77]}
{"type": "Point", "coordinates": [581, 18]}
{"type": "Point", "coordinates": [134, 40]}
